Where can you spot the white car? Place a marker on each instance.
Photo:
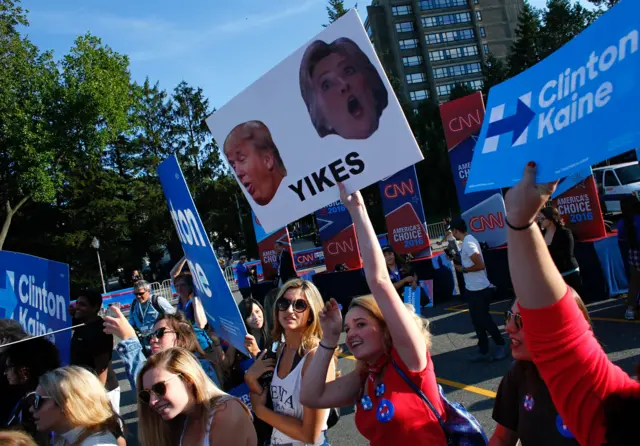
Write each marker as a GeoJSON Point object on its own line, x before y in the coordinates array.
{"type": "Point", "coordinates": [617, 179]}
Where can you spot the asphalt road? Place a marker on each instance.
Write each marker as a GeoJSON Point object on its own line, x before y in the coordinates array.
{"type": "Point", "coordinates": [474, 385]}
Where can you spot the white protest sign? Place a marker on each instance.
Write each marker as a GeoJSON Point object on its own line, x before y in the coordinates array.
{"type": "Point", "coordinates": [326, 114]}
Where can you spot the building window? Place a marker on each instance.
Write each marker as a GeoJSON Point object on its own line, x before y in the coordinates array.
{"type": "Point", "coordinates": [485, 47]}
{"type": "Point", "coordinates": [404, 27]}
{"type": "Point", "coordinates": [426, 5]}
{"type": "Point", "coordinates": [478, 16]}
{"type": "Point", "coordinates": [447, 19]}
{"type": "Point", "coordinates": [456, 70]}
{"type": "Point", "coordinates": [453, 53]}
{"type": "Point", "coordinates": [449, 36]}
{"type": "Point", "coordinates": [401, 10]}
{"type": "Point", "coordinates": [483, 33]}
{"type": "Point", "coordinates": [419, 95]}
{"type": "Point", "coordinates": [407, 44]}
{"type": "Point", "coordinates": [445, 90]}
{"type": "Point", "coordinates": [416, 78]}
{"type": "Point", "coordinates": [412, 61]}
{"type": "Point", "coordinates": [369, 31]}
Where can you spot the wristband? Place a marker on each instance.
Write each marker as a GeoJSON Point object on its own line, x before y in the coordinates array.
{"type": "Point", "coordinates": [518, 228]}
{"type": "Point", "coordinates": [328, 348]}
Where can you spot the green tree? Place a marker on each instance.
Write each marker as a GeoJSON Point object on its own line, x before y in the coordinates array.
{"type": "Point", "coordinates": [495, 72]}
{"type": "Point", "coordinates": [26, 156]}
{"type": "Point", "coordinates": [562, 21]}
{"type": "Point", "coordinates": [525, 51]}
{"type": "Point", "coordinates": [460, 90]}
{"type": "Point", "coordinates": [335, 10]}
{"type": "Point", "coordinates": [605, 3]}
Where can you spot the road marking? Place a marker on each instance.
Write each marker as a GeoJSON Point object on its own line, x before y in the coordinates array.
{"type": "Point", "coordinates": [447, 382]}
{"type": "Point", "coordinates": [473, 389]}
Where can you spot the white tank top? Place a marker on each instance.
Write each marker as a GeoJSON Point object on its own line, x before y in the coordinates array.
{"type": "Point", "coordinates": [285, 394]}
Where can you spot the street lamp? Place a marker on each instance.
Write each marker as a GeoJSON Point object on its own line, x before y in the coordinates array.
{"type": "Point", "coordinates": [95, 244]}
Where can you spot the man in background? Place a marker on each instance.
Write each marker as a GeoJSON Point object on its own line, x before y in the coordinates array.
{"type": "Point", "coordinates": [479, 292]}
{"type": "Point", "coordinates": [145, 311]}
{"type": "Point", "coordinates": [91, 347]}
{"type": "Point", "coordinates": [286, 269]}
{"type": "Point", "coordinates": [243, 273]}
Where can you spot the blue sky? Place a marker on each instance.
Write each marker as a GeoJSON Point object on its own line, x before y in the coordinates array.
{"type": "Point", "coordinates": [221, 46]}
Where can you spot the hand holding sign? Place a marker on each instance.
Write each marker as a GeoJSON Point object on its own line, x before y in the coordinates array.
{"type": "Point", "coordinates": [525, 200]}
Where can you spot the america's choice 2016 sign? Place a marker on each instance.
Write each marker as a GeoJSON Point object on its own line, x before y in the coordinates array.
{"type": "Point", "coordinates": [577, 107]}
{"type": "Point", "coordinates": [211, 287]}
{"type": "Point", "coordinates": [35, 292]}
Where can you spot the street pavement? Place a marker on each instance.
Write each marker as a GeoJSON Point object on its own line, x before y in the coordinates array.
{"type": "Point", "coordinates": [454, 341]}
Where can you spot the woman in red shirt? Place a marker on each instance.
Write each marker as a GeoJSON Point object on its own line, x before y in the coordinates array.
{"type": "Point", "coordinates": [598, 402]}
{"type": "Point", "coordinates": [388, 410]}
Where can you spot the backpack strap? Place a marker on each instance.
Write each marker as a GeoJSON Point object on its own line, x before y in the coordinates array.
{"type": "Point", "coordinates": [418, 392]}
{"type": "Point", "coordinates": [156, 304]}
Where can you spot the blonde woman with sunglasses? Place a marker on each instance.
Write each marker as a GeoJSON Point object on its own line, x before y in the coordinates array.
{"type": "Point", "coordinates": [296, 317]}
{"type": "Point", "coordinates": [72, 403]}
{"type": "Point", "coordinates": [179, 405]}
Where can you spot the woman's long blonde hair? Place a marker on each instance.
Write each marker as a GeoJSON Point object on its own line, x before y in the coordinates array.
{"type": "Point", "coordinates": [313, 332]}
{"type": "Point", "coordinates": [82, 398]}
{"type": "Point", "coordinates": [152, 429]}
{"type": "Point", "coordinates": [369, 304]}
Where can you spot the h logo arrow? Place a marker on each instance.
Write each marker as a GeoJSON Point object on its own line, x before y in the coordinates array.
{"type": "Point", "coordinates": [8, 299]}
{"type": "Point", "coordinates": [516, 124]}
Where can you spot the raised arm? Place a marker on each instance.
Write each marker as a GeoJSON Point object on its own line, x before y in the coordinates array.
{"type": "Point", "coordinates": [177, 268]}
{"type": "Point", "coordinates": [570, 360]}
{"type": "Point", "coordinates": [316, 391]}
{"type": "Point", "coordinates": [407, 339]}
{"type": "Point", "coordinates": [536, 280]}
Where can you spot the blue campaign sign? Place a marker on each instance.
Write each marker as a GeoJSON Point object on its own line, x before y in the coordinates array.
{"type": "Point", "coordinates": [460, 157]}
{"type": "Point", "coordinates": [567, 183]}
{"type": "Point", "coordinates": [35, 292]}
{"type": "Point", "coordinates": [401, 188]}
{"type": "Point", "coordinates": [577, 107]}
{"type": "Point", "coordinates": [210, 284]}
{"type": "Point", "coordinates": [261, 234]}
{"type": "Point", "coordinates": [332, 219]}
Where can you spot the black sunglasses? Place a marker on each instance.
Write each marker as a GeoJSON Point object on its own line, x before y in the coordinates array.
{"type": "Point", "coordinates": [517, 319]}
{"type": "Point", "coordinates": [140, 294]}
{"type": "Point", "coordinates": [37, 400]}
{"type": "Point", "coordinates": [158, 389]}
{"type": "Point", "coordinates": [299, 305]}
{"type": "Point", "coordinates": [160, 332]}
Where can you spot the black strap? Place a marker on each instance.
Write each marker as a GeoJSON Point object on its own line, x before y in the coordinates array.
{"type": "Point", "coordinates": [419, 392]}
{"type": "Point", "coordinates": [156, 304]}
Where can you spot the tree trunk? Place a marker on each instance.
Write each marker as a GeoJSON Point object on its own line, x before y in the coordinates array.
{"type": "Point", "coordinates": [7, 220]}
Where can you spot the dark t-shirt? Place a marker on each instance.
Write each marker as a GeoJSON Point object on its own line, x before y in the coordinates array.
{"type": "Point", "coordinates": [89, 342]}
{"type": "Point", "coordinates": [523, 405]}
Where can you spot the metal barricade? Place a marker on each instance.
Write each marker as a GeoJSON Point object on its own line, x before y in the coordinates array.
{"type": "Point", "coordinates": [163, 289]}
{"type": "Point", "coordinates": [436, 230]}
{"type": "Point", "coordinates": [228, 276]}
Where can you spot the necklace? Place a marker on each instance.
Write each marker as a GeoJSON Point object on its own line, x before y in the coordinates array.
{"type": "Point", "coordinates": [385, 409]}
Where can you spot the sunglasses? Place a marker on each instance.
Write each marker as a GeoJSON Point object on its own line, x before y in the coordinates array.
{"type": "Point", "coordinates": [37, 400]}
{"type": "Point", "coordinates": [517, 319]}
{"type": "Point", "coordinates": [160, 332]}
{"type": "Point", "coordinates": [299, 305]}
{"type": "Point", "coordinates": [140, 294]}
{"type": "Point", "coordinates": [158, 389]}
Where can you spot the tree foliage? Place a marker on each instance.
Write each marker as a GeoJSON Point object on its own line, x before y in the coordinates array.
{"type": "Point", "coordinates": [79, 146]}
{"type": "Point", "coordinates": [335, 10]}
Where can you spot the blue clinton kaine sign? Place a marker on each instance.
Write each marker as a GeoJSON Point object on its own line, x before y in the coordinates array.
{"type": "Point", "coordinates": [577, 107]}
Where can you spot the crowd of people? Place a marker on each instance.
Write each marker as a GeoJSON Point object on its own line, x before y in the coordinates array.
{"type": "Point", "coordinates": [194, 389]}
